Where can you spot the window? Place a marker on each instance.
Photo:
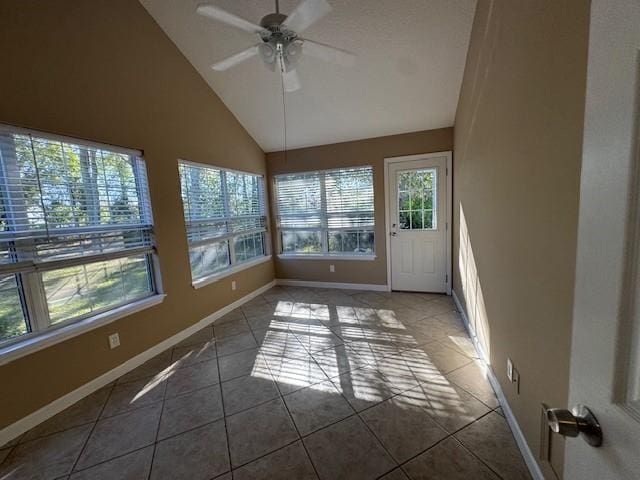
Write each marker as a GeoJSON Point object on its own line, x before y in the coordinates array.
{"type": "Point", "coordinates": [326, 213]}
{"type": "Point", "coordinates": [225, 217]}
{"type": "Point", "coordinates": [75, 231]}
{"type": "Point", "coordinates": [417, 199]}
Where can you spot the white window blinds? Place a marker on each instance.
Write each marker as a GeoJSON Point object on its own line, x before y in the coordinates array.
{"type": "Point", "coordinates": [225, 217]}
{"type": "Point", "coordinates": [329, 211]}
{"type": "Point", "coordinates": [75, 231]}
{"type": "Point", "coordinates": [64, 200]}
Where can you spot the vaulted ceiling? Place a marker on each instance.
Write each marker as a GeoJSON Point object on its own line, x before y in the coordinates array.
{"type": "Point", "coordinates": [411, 57]}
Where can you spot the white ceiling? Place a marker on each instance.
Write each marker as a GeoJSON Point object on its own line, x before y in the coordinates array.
{"type": "Point", "coordinates": [411, 57]}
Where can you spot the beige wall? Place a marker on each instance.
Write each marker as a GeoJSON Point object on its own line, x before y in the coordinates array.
{"type": "Point", "coordinates": [104, 71]}
{"type": "Point", "coordinates": [372, 152]}
{"type": "Point", "coordinates": [518, 136]}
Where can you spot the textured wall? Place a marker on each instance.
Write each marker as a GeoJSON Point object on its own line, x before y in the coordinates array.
{"type": "Point", "coordinates": [518, 140]}
{"type": "Point", "coordinates": [104, 71]}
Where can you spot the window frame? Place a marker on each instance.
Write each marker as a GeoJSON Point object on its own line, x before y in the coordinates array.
{"type": "Point", "coordinates": [29, 274]}
{"type": "Point", "coordinates": [234, 266]}
{"type": "Point", "coordinates": [323, 229]}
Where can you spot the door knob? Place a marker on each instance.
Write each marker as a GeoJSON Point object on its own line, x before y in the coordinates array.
{"type": "Point", "coordinates": [580, 420]}
{"type": "Point", "coordinates": [393, 234]}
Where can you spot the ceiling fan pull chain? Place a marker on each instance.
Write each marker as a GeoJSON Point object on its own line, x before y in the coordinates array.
{"type": "Point", "coordinates": [284, 116]}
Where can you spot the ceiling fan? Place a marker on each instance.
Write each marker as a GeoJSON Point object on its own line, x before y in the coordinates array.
{"type": "Point", "coordinates": [280, 44]}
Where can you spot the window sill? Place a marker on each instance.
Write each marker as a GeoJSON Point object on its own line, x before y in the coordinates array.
{"type": "Point", "coordinates": [43, 340]}
{"type": "Point", "coordinates": [325, 256]}
{"type": "Point", "coordinates": [202, 282]}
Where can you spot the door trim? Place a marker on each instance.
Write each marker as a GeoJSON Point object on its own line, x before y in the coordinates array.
{"type": "Point", "coordinates": [449, 206]}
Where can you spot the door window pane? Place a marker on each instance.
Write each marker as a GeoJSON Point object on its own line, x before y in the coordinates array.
{"type": "Point", "coordinates": [12, 319]}
{"type": "Point", "coordinates": [83, 289]}
{"type": "Point", "coordinates": [428, 218]}
{"type": "Point", "coordinates": [301, 242]}
{"type": "Point", "coordinates": [416, 220]}
{"type": "Point", "coordinates": [417, 199]}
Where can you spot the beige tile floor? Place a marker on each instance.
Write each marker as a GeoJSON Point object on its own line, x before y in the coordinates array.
{"type": "Point", "coordinates": [299, 383]}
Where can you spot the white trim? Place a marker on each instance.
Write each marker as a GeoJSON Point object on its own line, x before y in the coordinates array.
{"type": "Point", "coordinates": [37, 342]}
{"type": "Point", "coordinates": [202, 282]}
{"type": "Point", "coordinates": [343, 286]}
{"type": "Point", "coordinates": [24, 424]}
{"type": "Point", "coordinates": [449, 226]}
{"type": "Point", "coordinates": [474, 338]}
{"type": "Point", "coordinates": [527, 454]}
{"type": "Point", "coordinates": [449, 208]}
{"type": "Point", "coordinates": [325, 256]}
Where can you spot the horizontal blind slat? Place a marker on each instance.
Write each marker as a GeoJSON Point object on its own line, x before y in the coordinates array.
{"type": "Point", "coordinates": [219, 204]}
{"type": "Point", "coordinates": [62, 199]}
{"type": "Point", "coordinates": [348, 199]}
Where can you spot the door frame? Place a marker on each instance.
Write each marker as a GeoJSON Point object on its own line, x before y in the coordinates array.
{"type": "Point", "coordinates": [448, 208]}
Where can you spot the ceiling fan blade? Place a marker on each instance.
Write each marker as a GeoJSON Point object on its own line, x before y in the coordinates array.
{"type": "Point", "coordinates": [223, 16]}
{"type": "Point", "coordinates": [234, 60]}
{"type": "Point", "coordinates": [305, 14]}
{"type": "Point", "coordinates": [328, 53]}
{"type": "Point", "coordinates": [291, 81]}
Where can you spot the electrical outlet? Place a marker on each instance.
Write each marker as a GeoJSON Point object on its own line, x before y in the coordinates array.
{"type": "Point", "coordinates": [233, 284]}
{"type": "Point", "coordinates": [114, 341]}
{"type": "Point", "coordinates": [513, 375]}
{"type": "Point", "coordinates": [332, 268]}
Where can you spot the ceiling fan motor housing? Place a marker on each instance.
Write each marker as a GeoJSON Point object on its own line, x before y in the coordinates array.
{"type": "Point", "coordinates": [273, 20]}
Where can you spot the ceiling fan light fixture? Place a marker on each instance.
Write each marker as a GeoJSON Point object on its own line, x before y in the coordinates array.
{"type": "Point", "coordinates": [280, 45]}
{"type": "Point", "coordinates": [292, 53]}
{"type": "Point", "coordinates": [268, 55]}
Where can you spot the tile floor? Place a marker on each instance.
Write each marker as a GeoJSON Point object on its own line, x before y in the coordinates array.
{"type": "Point", "coordinates": [299, 383]}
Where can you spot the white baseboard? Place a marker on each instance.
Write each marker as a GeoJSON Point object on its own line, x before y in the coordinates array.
{"type": "Point", "coordinates": [341, 286]}
{"type": "Point", "coordinates": [25, 424]}
{"type": "Point", "coordinates": [527, 454]}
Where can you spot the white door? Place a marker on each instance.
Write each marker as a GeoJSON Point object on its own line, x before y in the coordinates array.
{"type": "Point", "coordinates": [418, 222]}
{"type": "Point", "coordinates": [605, 357]}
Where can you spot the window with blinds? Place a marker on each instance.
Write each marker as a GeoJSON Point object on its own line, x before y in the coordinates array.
{"type": "Point", "coordinates": [326, 212]}
{"type": "Point", "coordinates": [225, 216]}
{"type": "Point", "coordinates": [75, 231]}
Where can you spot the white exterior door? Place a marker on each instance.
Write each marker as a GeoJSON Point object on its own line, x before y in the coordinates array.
{"type": "Point", "coordinates": [418, 222]}
{"type": "Point", "coordinates": [605, 356]}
